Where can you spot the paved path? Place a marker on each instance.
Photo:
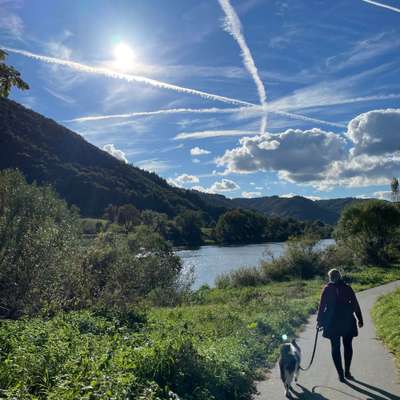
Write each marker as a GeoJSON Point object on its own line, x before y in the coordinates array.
{"type": "Point", "coordinates": [376, 377]}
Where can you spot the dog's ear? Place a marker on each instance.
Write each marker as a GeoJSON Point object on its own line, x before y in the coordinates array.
{"type": "Point", "coordinates": [294, 341]}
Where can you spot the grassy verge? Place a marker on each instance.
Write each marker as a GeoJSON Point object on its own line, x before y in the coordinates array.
{"type": "Point", "coordinates": [386, 315]}
{"type": "Point", "coordinates": [209, 349]}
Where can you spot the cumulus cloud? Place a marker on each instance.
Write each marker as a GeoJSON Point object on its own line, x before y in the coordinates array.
{"type": "Point", "coordinates": [197, 151]}
{"type": "Point", "coordinates": [375, 132]}
{"type": "Point", "coordinates": [251, 195]}
{"type": "Point", "coordinates": [183, 179]}
{"type": "Point", "coordinates": [224, 185]}
{"type": "Point", "coordinates": [299, 155]}
{"type": "Point", "coordinates": [112, 150]}
{"type": "Point", "coordinates": [367, 153]}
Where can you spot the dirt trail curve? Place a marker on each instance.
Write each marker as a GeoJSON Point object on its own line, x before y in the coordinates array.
{"type": "Point", "coordinates": [373, 367]}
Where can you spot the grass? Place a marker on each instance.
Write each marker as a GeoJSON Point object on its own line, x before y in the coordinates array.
{"type": "Point", "coordinates": [211, 348]}
{"type": "Point", "coordinates": [386, 315]}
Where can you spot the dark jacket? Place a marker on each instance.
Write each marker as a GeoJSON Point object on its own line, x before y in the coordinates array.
{"type": "Point", "coordinates": [336, 310]}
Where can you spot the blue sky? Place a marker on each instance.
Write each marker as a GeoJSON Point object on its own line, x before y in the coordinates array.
{"type": "Point", "coordinates": [330, 71]}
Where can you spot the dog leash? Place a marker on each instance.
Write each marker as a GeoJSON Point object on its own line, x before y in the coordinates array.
{"type": "Point", "coordinates": [313, 353]}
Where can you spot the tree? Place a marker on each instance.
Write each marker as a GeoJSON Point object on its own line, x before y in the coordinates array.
{"type": "Point", "coordinates": [39, 249]}
{"type": "Point", "coordinates": [9, 77]}
{"type": "Point", "coordinates": [121, 271]}
{"type": "Point", "coordinates": [240, 226]}
{"type": "Point", "coordinates": [128, 216]}
{"type": "Point", "coordinates": [189, 225]}
{"type": "Point", "coordinates": [394, 186]}
{"type": "Point", "coordinates": [369, 230]}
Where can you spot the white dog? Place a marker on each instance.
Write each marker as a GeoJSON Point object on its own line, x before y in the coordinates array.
{"type": "Point", "coordinates": [289, 364]}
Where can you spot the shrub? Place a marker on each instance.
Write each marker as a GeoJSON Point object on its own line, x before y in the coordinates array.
{"type": "Point", "coordinates": [39, 247]}
{"type": "Point", "coordinates": [300, 261]}
{"type": "Point", "coordinates": [123, 270]}
{"type": "Point", "coordinates": [369, 230]}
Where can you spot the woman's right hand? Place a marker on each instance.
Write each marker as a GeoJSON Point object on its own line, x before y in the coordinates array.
{"type": "Point", "coordinates": [360, 324]}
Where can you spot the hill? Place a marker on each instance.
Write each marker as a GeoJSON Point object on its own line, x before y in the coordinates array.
{"type": "Point", "coordinates": [81, 173]}
{"type": "Point", "coordinates": [297, 207]}
{"type": "Point", "coordinates": [91, 179]}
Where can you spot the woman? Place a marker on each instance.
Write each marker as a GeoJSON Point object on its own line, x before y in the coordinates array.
{"type": "Point", "coordinates": [336, 315]}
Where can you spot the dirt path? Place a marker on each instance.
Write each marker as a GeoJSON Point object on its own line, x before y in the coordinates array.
{"type": "Point", "coordinates": [376, 377]}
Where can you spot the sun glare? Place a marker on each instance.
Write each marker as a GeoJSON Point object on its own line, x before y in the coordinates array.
{"type": "Point", "coordinates": [124, 56]}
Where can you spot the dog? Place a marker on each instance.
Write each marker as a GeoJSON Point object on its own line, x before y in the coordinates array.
{"type": "Point", "coordinates": [289, 364]}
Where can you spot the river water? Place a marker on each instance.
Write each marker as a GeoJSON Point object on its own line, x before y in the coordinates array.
{"type": "Point", "coordinates": [210, 261]}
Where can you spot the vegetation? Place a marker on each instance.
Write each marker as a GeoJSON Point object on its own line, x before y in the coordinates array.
{"type": "Point", "coordinates": [98, 319]}
{"type": "Point", "coordinates": [386, 315]}
{"type": "Point", "coordinates": [9, 77]}
{"type": "Point", "coordinates": [369, 230]}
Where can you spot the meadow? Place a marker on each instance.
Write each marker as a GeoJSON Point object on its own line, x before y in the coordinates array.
{"type": "Point", "coordinates": [214, 347]}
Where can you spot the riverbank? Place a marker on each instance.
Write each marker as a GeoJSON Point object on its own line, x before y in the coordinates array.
{"type": "Point", "coordinates": [210, 348]}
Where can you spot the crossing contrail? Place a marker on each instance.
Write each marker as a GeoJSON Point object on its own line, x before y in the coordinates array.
{"type": "Point", "coordinates": [213, 110]}
{"type": "Point", "coordinates": [127, 77]}
{"type": "Point", "coordinates": [234, 27]}
{"type": "Point", "coordinates": [375, 3]}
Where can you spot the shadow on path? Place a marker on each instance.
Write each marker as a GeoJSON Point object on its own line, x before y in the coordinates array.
{"type": "Point", "coordinates": [373, 396]}
{"type": "Point", "coordinates": [306, 394]}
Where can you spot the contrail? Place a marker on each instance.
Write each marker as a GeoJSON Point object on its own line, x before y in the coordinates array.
{"type": "Point", "coordinates": [234, 27]}
{"type": "Point", "coordinates": [127, 77]}
{"type": "Point", "coordinates": [375, 3]}
{"type": "Point", "coordinates": [209, 134]}
{"type": "Point", "coordinates": [308, 119]}
{"type": "Point", "coordinates": [134, 78]}
{"type": "Point", "coordinates": [213, 110]}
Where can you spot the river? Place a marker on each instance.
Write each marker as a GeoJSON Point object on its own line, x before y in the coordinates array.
{"type": "Point", "coordinates": [210, 261]}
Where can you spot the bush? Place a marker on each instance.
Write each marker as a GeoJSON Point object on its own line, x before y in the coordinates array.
{"type": "Point", "coordinates": [369, 230]}
{"type": "Point", "coordinates": [300, 261]}
{"type": "Point", "coordinates": [39, 247]}
{"type": "Point", "coordinates": [123, 270]}
{"type": "Point", "coordinates": [245, 276]}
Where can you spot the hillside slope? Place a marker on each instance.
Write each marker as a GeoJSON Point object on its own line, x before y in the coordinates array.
{"type": "Point", "coordinates": [81, 173]}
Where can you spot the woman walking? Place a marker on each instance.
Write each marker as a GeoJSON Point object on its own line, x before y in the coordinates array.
{"type": "Point", "coordinates": [336, 316]}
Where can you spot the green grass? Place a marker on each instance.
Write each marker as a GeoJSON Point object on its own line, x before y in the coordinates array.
{"type": "Point", "coordinates": [386, 315]}
{"type": "Point", "coordinates": [212, 348]}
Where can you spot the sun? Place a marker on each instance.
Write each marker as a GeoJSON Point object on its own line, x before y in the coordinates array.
{"type": "Point", "coordinates": [124, 56]}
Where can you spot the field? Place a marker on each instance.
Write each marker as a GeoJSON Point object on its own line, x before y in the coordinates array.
{"type": "Point", "coordinates": [212, 348]}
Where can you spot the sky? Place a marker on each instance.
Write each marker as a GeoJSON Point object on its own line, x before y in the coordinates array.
{"type": "Point", "coordinates": [245, 98]}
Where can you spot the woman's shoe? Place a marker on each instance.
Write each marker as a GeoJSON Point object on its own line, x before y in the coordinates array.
{"type": "Point", "coordinates": [348, 375]}
{"type": "Point", "coordinates": [341, 378]}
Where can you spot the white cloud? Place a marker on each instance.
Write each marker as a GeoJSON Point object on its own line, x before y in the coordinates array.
{"type": "Point", "coordinates": [375, 132]}
{"type": "Point", "coordinates": [224, 185]}
{"type": "Point", "coordinates": [300, 155]}
{"type": "Point", "coordinates": [383, 195]}
{"type": "Point", "coordinates": [197, 151]}
{"type": "Point", "coordinates": [154, 165]}
{"type": "Point", "coordinates": [119, 154]}
{"type": "Point", "coordinates": [368, 153]}
{"type": "Point", "coordinates": [195, 161]}
{"type": "Point", "coordinates": [251, 195]}
{"type": "Point", "coordinates": [183, 180]}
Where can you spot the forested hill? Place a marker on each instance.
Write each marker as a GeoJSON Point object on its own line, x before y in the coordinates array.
{"type": "Point", "coordinates": [297, 207]}
{"type": "Point", "coordinates": [91, 179]}
{"type": "Point", "coordinates": [81, 173]}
